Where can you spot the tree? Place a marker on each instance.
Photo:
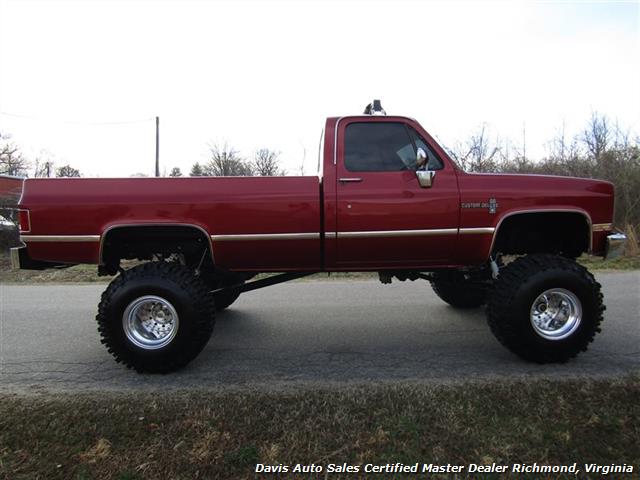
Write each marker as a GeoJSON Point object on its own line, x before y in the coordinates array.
{"type": "Point", "coordinates": [304, 157]}
{"type": "Point", "coordinates": [597, 135]}
{"type": "Point", "coordinates": [68, 171]}
{"type": "Point", "coordinates": [608, 152]}
{"type": "Point", "coordinates": [266, 163]}
{"type": "Point", "coordinates": [226, 162]}
{"type": "Point", "coordinates": [11, 160]}
{"type": "Point", "coordinates": [176, 172]}
{"type": "Point", "coordinates": [478, 153]}
{"type": "Point", "coordinates": [43, 169]}
{"type": "Point", "coordinates": [196, 170]}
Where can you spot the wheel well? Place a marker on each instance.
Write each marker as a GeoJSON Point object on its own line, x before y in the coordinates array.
{"type": "Point", "coordinates": [143, 242]}
{"type": "Point", "coordinates": [562, 233]}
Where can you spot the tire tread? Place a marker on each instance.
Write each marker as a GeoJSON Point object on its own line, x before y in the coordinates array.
{"type": "Point", "coordinates": [503, 296]}
{"type": "Point", "coordinates": [465, 294]}
{"type": "Point", "coordinates": [202, 329]}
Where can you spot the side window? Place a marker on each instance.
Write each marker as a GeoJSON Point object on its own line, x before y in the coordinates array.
{"type": "Point", "coordinates": [378, 147]}
{"type": "Point", "coordinates": [434, 162]}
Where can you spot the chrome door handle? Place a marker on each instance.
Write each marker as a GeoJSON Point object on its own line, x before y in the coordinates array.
{"type": "Point", "coordinates": [349, 180]}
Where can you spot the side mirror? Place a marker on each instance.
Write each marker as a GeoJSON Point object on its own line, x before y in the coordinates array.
{"type": "Point", "coordinates": [425, 178]}
{"type": "Point", "coordinates": [421, 158]}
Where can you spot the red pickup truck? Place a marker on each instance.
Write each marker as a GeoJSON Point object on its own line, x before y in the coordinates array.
{"type": "Point", "coordinates": [387, 198]}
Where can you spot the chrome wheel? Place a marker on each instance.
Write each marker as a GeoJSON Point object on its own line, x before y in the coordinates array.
{"type": "Point", "coordinates": [150, 322]}
{"type": "Point", "coordinates": [556, 314]}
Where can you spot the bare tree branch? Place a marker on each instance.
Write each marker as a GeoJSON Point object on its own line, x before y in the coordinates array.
{"type": "Point", "coordinates": [266, 163]}
{"type": "Point", "coordinates": [11, 160]}
{"type": "Point", "coordinates": [226, 162]}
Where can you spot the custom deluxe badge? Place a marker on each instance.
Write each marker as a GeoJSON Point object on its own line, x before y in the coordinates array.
{"type": "Point", "coordinates": [492, 205]}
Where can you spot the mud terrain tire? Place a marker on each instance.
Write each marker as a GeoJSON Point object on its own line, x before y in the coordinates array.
{"type": "Point", "coordinates": [156, 317]}
{"type": "Point", "coordinates": [545, 308]}
{"type": "Point", "coordinates": [224, 299]}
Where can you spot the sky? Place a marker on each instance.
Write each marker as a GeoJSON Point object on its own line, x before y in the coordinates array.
{"type": "Point", "coordinates": [81, 81]}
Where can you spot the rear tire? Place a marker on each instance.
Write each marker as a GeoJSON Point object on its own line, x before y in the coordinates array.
{"type": "Point", "coordinates": [545, 308]}
{"type": "Point", "coordinates": [458, 291]}
{"type": "Point", "coordinates": [224, 299]}
{"type": "Point", "coordinates": [156, 317]}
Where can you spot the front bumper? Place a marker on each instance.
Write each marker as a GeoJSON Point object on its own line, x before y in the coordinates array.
{"type": "Point", "coordinates": [615, 245]}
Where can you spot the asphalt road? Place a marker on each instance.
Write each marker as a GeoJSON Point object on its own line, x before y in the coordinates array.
{"type": "Point", "coordinates": [320, 332]}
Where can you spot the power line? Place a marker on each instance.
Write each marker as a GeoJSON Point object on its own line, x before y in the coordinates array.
{"type": "Point", "coordinates": [72, 122]}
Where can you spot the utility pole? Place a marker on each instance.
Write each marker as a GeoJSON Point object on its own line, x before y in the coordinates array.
{"type": "Point", "coordinates": [157, 146]}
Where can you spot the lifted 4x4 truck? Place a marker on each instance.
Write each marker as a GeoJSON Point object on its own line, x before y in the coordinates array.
{"type": "Point", "coordinates": [388, 198]}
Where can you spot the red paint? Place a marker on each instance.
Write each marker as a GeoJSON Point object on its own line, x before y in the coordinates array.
{"type": "Point", "coordinates": [521, 193]}
{"type": "Point", "coordinates": [260, 205]}
{"type": "Point", "coordinates": [394, 201]}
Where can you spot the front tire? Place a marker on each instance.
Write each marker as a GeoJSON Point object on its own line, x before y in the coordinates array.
{"type": "Point", "coordinates": [545, 308]}
{"type": "Point", "coordinates": [156, 317]}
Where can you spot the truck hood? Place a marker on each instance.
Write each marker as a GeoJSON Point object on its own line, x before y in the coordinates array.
{"type": "Point", "coordinates": [516, 192]}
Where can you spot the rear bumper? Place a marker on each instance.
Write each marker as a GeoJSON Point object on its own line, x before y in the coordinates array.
{"type": "Point", "coordinates": [15, 258]}
{"type": "Point", "coordinates": [20, 260]}
{"type": "Point", "coordinates": [615, 245]}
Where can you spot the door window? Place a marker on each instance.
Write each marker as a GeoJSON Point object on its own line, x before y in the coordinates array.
{"type": "Point", "coordinates": [378, 147]}
{"type": "Point", "coordinates": [384, 147]}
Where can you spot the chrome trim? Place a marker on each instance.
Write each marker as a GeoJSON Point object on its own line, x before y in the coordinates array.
{"type": "Point", "coordinates": [543, 210]}
{"type": "Point", "coordinates": [333, 235]}
{"type": "Point", "coordinates": [150, 322]}
{"type": "Point", "coordinates": [531, 175]}
{"type": "Point", "coordinates": [349, 179]}
{"type": "Point", "coordinates": [425, 178]}
{"type": "Point", "coordinates": [335, 141]}
{"type": "Point", "coordinates": [476, 230]}
{"type": "Point", "coordinates": [615, 245]}
{"type": "Point", "coordinates": [24, 184]}
{"type": "Point", "coordinates": [556, 314]}
{"type": "Point", "coordinates": [398, 233]}
{"type": "Point", "coordinates": [354, 234]}
{"type": "Point", "coordinates": [15, 258]}
{"type": "Point", "coordinates": [421, 157]}
{"type": "Point", "coordinates": [241, 237]}
{"type": "Point", "coordinates": [602, 227]}
{"type": "Point", "coordinates": [124, 225]}
{"type": "Point", "coordinates": [60, 238]}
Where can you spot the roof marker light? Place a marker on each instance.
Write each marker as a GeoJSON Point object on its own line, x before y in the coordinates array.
{"type": "Point", "coordinates": [374, 108]}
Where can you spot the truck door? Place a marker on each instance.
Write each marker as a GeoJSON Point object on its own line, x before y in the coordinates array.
{"type": "Point", "coordinates": [384, 216]}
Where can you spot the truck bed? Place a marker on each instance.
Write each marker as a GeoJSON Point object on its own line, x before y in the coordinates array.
{"type": "Point", "coordinates": [231, 210]}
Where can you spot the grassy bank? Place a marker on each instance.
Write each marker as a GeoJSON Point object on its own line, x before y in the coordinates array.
{"type": "Point", "coordinates": [620, 263]}
{"type": "Point", "coordinates": [223, 435]}
{"type": "Point", "coordinates": [88, 273]}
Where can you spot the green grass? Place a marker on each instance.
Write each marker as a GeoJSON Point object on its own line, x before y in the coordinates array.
{"type": "Point", "coordinates": [223, 435]}
{"type": "Point", "coordinates": [620, 263]}
{"type": "Point", "coordinates": [76, 274]}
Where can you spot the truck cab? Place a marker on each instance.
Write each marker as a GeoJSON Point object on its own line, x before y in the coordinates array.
{"type": "Point", "coordinates": [377, 211]}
